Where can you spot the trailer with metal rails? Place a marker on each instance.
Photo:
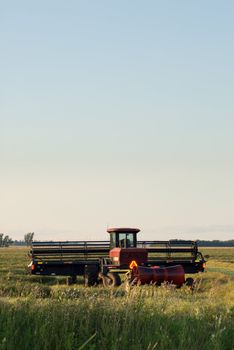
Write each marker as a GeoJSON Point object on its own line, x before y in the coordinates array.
{"type": "Point", "coordinates": [103, 261]}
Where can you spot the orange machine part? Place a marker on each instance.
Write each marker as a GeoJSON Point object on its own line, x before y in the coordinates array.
{"type": "Point", "coordinates": [124, 256]}
{"type": "Point", "coordinates": [172, 274]}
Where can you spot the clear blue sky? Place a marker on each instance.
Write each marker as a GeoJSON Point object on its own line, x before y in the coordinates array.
{"type": "Point", "coordinates": [117, 113]}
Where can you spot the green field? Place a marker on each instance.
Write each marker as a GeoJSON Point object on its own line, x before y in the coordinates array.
{"type": "Point", "coordinates": [44, 313]}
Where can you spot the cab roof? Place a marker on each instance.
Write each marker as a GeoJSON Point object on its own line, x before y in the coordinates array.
{"type": "Point", "coordinates": [123, 230]}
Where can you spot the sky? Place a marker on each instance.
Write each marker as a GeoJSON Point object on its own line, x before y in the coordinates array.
{"type": "Point", "coordinates": [117, 113]}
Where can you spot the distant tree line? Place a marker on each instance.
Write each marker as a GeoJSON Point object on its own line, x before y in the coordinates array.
{"type": "Point", "coordinates": [216, 243]}
{"type": "Point", "coordinates": [6, 241]}
{"type": "Point", "coordinates": [28, 238]}
{"type": "Point", "coordinates": [19, 242]}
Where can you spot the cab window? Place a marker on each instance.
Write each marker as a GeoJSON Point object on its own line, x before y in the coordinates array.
{"type": "Point", "coordinates": [126, 240]}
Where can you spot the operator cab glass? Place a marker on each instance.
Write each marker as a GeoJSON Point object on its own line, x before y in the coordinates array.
{"type": "Point", "coordinates": [126, 240]}
{"type": "Point", "coordinates": [123, 238]}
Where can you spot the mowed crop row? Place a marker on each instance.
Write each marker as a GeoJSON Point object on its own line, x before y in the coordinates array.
{"type": "Point", "coordinates": [44, 313]}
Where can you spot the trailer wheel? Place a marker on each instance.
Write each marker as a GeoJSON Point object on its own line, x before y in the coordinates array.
{"type": "Point", "coordinates": [90, 276]}
{"type": "Point", "coordinates": [111, 280]}
{"type": "Point", "coordinates": [189, 282]}
{"type": "Point", "coordinates": [71, 280]}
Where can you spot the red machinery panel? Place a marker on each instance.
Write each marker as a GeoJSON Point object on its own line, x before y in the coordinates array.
{"type": "Point", "coordinates": [124, 256]}
{"type": "Point", "coordinates": [155, 274]}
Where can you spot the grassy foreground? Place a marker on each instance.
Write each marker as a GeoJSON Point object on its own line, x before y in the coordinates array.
{"type": "Point", "coordinates": [44, 313]}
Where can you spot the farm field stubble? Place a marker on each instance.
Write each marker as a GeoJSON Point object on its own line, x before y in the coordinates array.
{"type": "Point", "coordinates": [44, 313]}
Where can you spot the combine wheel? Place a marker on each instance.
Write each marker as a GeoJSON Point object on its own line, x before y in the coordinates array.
{"type": "Point", "coordinates": [189, 282]}
{"type": "Point", "coordinates": [111, 280]}
{"type": "Point", "coordinates": [90, 276]}
{"type": "Point", "coordinates": [71, 280]}
{"type": "Point", "coordinates": [89, 280]}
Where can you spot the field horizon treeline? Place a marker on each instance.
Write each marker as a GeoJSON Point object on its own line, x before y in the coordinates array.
{"type": "Point", "coordinates": [6, 241]}
{"type": "Point", "coordinates": [201, 243]}
{"type": "Point", "coordinates": [216, 243]}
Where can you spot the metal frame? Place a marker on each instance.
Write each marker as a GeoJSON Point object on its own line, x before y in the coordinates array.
{"type": "Point", "coordinates": [70, 258]}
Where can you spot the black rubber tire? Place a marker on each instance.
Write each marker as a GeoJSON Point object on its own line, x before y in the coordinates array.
{"type": "Point", "coordinates": [189, 282]}
{"type": "Point", "coordinates": [71, 280]}
{"type": "Point", "coordinates": [90, 276]}
{"type": "Point", "coordinates": [111, 280]}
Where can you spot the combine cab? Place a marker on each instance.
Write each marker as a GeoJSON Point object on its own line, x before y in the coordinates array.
{"type": "Point", "coordinates": [142, 261]}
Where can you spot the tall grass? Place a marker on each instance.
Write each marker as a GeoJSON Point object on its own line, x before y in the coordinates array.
{"type": "Point", "coordinates": [45, 314]}
{"type": "Point", "coordinates": [133, 321]}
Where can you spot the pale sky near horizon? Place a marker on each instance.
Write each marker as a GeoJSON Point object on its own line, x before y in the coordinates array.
{"type": "Point", "coordinates": [117, 113]}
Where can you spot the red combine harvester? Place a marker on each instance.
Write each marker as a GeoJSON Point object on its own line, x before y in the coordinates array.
{"type": "Point", "coordinates": [143, 262]}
